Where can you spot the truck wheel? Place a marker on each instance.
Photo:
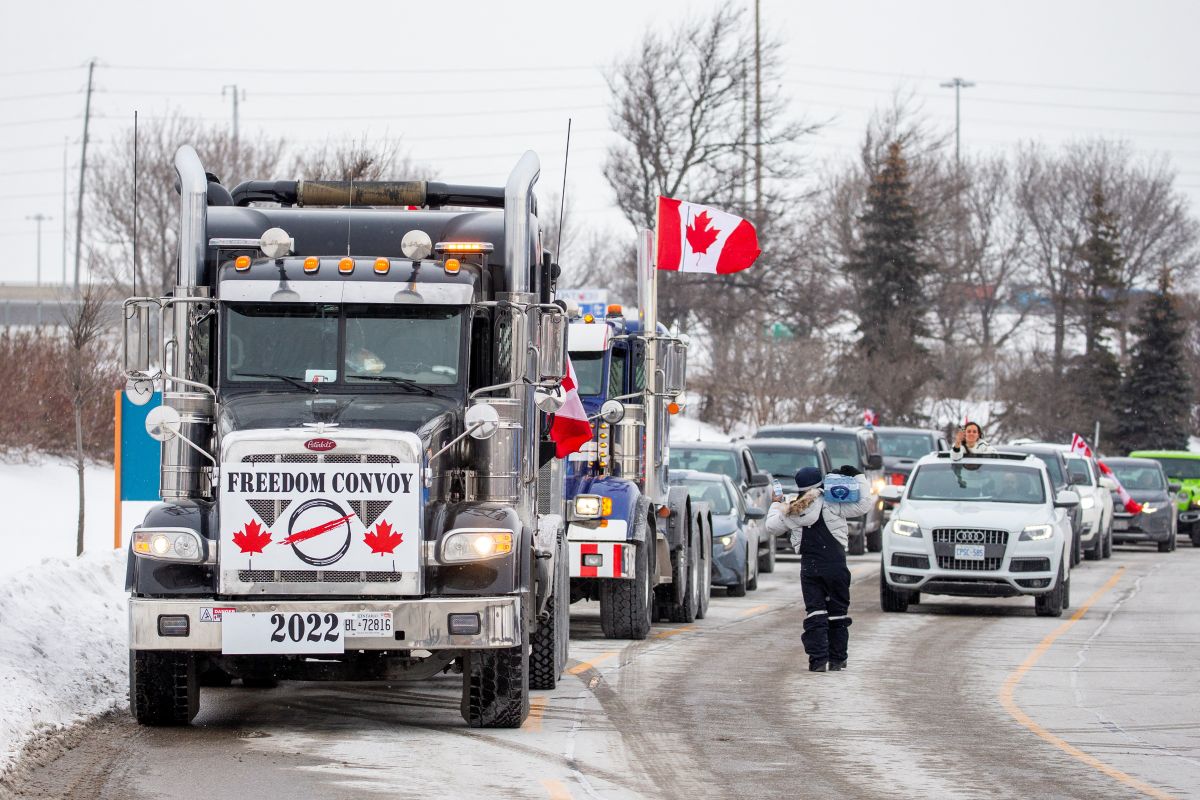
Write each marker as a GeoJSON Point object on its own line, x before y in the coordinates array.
{"type": "Point", "coordinates": [856, 545]}
{"type": "Point", "coordinates": [496, 687]}
{"type": "Point", "coordinates": [766, 561]}
{"type": "Point", "coordinates": [626, 604]}
{"type": "Point", "coordinates": [875, 541]}
{"type": "Point", "coordinates": [549, 643]}
{"type": "Point", "coordinates": [1050, 604]}
{"type": "Point", "coordinates": [705, 538]}
{"type": "Point", "coordinates": [687, 611]}
{"type": "Point", "coordinates": [891, 600]}
{"type": "Point", "coordinates": [163, 687]}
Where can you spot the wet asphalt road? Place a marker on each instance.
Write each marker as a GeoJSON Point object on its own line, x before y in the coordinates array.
{"type": "Point", "coordinates": [956, 698]}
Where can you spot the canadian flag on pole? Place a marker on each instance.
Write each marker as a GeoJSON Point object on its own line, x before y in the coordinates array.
{"type": "Point", "coordinates": [570, 429]}
{"type": "Point", "coordinates": [1078, 445]}
{"type": "Point", "coordinates": [694, 238]}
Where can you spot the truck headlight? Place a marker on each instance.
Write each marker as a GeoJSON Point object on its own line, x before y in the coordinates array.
{"type": "Point", "coordinates": [1087, 502]}
{"type": "Point", "coordinates": [169, 544]}
{"type": "Point", "coordinates": [903, 527]}
{"type": "Point", "coordinates": [592, 506]}
{"type": "Point", "coordinates": [477, 544]}
{"type": "Point", "coordinates": [1036, 533]}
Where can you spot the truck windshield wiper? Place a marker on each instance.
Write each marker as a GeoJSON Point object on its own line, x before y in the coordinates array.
{"type": "Point", "coordinates": [299, 384]}
{"type": "Point", "coordinates": [404, 383]}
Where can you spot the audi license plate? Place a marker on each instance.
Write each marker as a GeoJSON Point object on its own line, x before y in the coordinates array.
{"type": "Point", "coordinates": [968, 552]}
{"type": "Point", "coordinates": [299, 632]}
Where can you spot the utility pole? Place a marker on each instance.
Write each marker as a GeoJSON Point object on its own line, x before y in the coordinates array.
{"type": "Point", "coordinates": [39, 218]}
{"type": "Point", "coordinates": [87, 116]}
{"type": "Point", "coordinates": [232, 89]}
{"type": "Point", "coordinates": [957, 84]}
{"type": "Point", "coordinates": [758, 209]}
{"type": "Point", "coordinates": [66, 147]}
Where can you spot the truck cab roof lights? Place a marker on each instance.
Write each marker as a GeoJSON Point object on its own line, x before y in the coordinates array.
{"type": "Point", "coordinates": [615, 310]}
{"type": "Point", "coordinates": [346, 266]}
{"type": "Point", "coordinates": [382, 265]}
{"type": "Point", "coordinates": [589, 319]}
{"type": "Point", "coordinates": [242, 263]}
{"type": "Point", "coordinates": [312, 264]}
{"type": "Point", "coordinates": [452, 266]}
{"type": "Point", "coordinates": [463, 247]}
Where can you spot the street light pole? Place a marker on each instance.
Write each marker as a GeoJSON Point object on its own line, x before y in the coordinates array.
{"type": "Point", "coordinates": [39, 218]}
{"type": "Point", "coordinates": [957, 84]}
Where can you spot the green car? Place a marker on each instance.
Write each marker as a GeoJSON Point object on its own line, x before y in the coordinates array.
{"type": "Point", "coordinates": [1183, 468]}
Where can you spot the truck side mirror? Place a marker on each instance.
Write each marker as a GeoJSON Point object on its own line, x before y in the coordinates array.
{"type": "Point", "coordinates": [142, 338]}
{"type": "Point", "coordinates": [552, 346]}
{"type": "Point", "coordinates": [612, 412]}
{"type": "Point", "coordinates": [674, 358]}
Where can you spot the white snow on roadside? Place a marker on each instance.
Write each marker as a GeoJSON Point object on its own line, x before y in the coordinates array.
{"type": "Point", "coordinates": [685, 429]}
{"type": "Point", "coordinates": [62, 646]}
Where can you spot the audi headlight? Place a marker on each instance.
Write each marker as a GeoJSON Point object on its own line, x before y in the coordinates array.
{"type": "Point", "coordinates": [1036, 533]}
{"type": "Point", "coordinates": [903, 527]}
{"type": "Point", "coordinates": [1087, 502]}
{"type": "Point", "coordinates": [592, 506]}
{"type": "Point", "coordinates": [727, 541]}
{"type": "Point", "coordinates": [475, 545]}
{"type": "Point", "coordinates": [169, 544]}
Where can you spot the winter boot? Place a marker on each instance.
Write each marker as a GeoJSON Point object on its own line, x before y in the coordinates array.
{"type": "Point", "coordinates": [818, 666]}
{"type": "Point", "coordinates": [834, 666]}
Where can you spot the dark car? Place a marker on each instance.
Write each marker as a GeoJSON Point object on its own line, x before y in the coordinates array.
{"type": "Point", "coordinates": [1060, 475]}
{"type": "Point", "coordinates": [857, 447]}
{"type": "Point", "coordinates": [783, 457]}
{"type": "Point", "coordinates": [735, 539]}
{"type": "Point", "coordinates": [736, 461]}
{"type": "Point", "coordinates": [1146, 483]}
{"type": "Point", "coordinates": [901, 447]}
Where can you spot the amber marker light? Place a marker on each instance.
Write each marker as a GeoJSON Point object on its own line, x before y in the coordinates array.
{"type": "Point", "coordinates": [452, 265]}
{"type": "Point", "coordinates": [664, 511]}
{"type": "Point", "coordinates": [242, 263]}
{"type": "Point", "coordinates": [672, 407]}
{"type": "Point", "coordinates": [312, 264]}
{"type": "Point", "coordinates": [346, 266]}
{"type": "Point", "coordinates": [382, 265]}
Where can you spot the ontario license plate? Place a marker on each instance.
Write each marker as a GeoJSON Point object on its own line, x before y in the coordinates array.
{"type": "Point", "coordinates": [969, 552]}
{"type": "Point", "coordinates": [367, 623]}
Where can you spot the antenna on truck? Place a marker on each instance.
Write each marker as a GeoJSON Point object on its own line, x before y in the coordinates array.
{"type": "Point", "coordinates": [562, 200]}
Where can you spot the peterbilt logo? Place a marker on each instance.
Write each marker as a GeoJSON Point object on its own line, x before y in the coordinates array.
{"type": "Point", "coordinates": [320, 445]}
{"type": "Point", "coordinates": [976, 537]}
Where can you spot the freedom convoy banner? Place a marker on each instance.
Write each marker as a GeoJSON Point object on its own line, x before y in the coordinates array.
{"type": "Point", "coordinates": [317, 527]}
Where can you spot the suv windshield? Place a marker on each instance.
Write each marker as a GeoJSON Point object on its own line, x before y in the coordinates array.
{"type": "Point", "coordinates": [715, 493]}
{"type": "Point", "coordinates": [1185, 469]}
{"type": "Point", "coordinates": [722, 462]}
{"type": "Point", "coordinates": [905, 445]}
{"type": "Point", "coordinates": [1136, 476]}
{"type": "Point", "coordinates": [782, 463]}
{"type": "Point", "coordinates": [842, 448]}
{"type": "Point", "coordinates": [985, 483]}
{"type": "Point", "coordinates": [358, 344]}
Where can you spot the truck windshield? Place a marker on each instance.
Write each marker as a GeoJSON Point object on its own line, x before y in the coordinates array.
{"type": "Point", "coordinates": [589, 372]}
{"type": "Point", "coordinates": [352, 344]}
{"type": "Point", "coordinates": [985, 483]}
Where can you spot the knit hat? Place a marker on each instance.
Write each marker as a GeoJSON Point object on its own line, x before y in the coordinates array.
{"type": "Point", "coordinates": [808, 477]}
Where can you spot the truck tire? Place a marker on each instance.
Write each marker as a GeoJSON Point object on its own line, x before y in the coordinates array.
{"type": "Point", "coordinates": [496, 687]}
{"type": "Point", "coordinates": [705, 539]}
{"type": "Point", "coordinates": [891, 600]}
{"type": "Point", "coordinates": [550, 642]}
{"type": "Point", "coordinates": [875, 541]}
{"type": "Point", "coordinates": [856, 545]}
{"type": "Point", "coordinates": [163, 687]}
{"type": "Point", "coordinates": [766, 561]}
{"type": "Point", "coordinates": [1050, 604]}
{"type": "Point", "coordinates": [687, 611]}
{"type": "Point", "coordinates": [626, 604]}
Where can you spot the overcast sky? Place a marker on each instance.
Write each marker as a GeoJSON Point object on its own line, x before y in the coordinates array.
{"type": "Point", "coordinates": [470, 85]}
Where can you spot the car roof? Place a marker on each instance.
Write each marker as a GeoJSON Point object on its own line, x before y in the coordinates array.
{"type": "Point", "coordinates": [801, 427]}
{"type": "Point", "coordinates": [786, 444]}
{"type": "Point", "coordinates": [680, 475]}
{"type": "Point", "coordinates": [1031, 448]}
{"type": "Point", "coordinates": [1019, 459]}
{"type": "Point", "coordinates": [1131, 461]}
{"type": "Point", "coordinates": [897, 429]}
{"type": "Point", "coordinates": [707, 445]}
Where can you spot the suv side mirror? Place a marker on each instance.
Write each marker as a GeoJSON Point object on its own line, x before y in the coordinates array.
{"type": "Point", "coordinates": [758, 479]}
{"type": "Point", "coordinates": [1066, 499]}
{"type": "Point", "coordinates": [753, 513]}
{"type": "Point", "coordinates": [875, 461]}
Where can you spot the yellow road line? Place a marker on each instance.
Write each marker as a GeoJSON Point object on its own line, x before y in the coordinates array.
{"type": "Point", "coordinates": [584, 666]}
{"type": "Point", "coordinates": [537, 707]}
{"type": "Point", "coordinates": [556, 790]}
{"type": "Point", "coordinates": [749, 612]}
{"type": "Point", "coordinates": [668, 632]}
{"type": "Point", "coordinates": [1010, 705]}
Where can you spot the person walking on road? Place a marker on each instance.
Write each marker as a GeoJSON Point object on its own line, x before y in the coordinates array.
{"type": "Point", "coordinates": [818, 531]}
{"type": "Point", "coordinates": [969, 442]}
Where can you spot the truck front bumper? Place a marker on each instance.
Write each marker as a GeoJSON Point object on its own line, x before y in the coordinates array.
{"type": "Point", "coordinates": [418, 624]}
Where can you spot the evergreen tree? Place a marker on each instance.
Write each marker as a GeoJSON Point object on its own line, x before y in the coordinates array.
{"type": "Point", "coordinates": [1099, 273]}
{"type": "Point", "coordinates": [1157, 392]}
{"type": "Point", "coordinates": [888, 273]}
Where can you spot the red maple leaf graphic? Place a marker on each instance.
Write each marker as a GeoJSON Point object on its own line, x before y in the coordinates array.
{"type": "Point", "coordinates": [252, 539]}
{"type": "Point", "coordinates": [699, 234]}
{"type": "Point", "coordinates": [382, 540]}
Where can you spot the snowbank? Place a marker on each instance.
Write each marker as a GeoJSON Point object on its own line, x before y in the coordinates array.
{"type": "Point", "coordinates": [62, 643]}
{"type": "Point", "coordinates": [684, 429]}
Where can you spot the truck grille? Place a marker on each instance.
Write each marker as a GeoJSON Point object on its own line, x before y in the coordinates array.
{"type": "Point", "coordinates": [969, 536]}
{"type": "Point", "coordinates": [327, 576]}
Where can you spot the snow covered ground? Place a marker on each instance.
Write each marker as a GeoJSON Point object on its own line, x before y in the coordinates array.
{"type": "Point", "coordinates": [62, 619]}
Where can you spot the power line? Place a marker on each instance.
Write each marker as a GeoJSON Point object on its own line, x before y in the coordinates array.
{"type": "Point", "coordinates": [43, 121]}
{"type": "Point", "coordinates": [368, 93]}
{"type": "Point", "coordinates": [40, 96]}
{"type": "Point", "coordinates": [326, 71]}
{"type": "Point", "coordinates": [36, 71]}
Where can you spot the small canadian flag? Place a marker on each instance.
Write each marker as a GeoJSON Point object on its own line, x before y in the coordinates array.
{"type": "Point", "coordinates": [695, 238]}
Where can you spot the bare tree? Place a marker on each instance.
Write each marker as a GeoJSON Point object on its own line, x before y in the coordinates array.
{"type": "Point", "coordinates": [112, 223]}
{"type": "Point", "coordinates": [84, 327]}
{"type": "Point", "coordinates": [359, 160]}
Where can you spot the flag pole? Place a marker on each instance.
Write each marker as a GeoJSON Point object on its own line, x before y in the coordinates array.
{"type": "Point", "coordinates": [647, 276]}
